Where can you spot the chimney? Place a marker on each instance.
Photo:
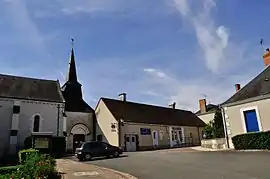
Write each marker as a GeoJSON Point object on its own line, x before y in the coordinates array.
{"type": "Point", "coordinates": [266, 57]}
{"type": "Point", "coordinates": [237, 87]}
{"type": "Point", "coordinates": [123, 96]}
{"type": "Point", "coordinates": [173, 105]}
{"type": "Point", "coordinates": [202, 105]}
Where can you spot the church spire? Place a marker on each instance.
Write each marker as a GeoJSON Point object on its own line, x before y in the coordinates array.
{"type": "Point", "coordinates": [72, 74]}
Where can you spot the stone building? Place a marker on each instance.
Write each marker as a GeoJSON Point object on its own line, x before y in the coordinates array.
{"type": "Point", "coordinates": [80, 116]}
{"type": "Point", "coordinates": [28, 106]}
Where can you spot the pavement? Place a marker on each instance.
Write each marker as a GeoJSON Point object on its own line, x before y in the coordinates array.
{"type": "Point", "coordinates": [187, 163]}
{"type": "Point", "coordinates": [71, 169]}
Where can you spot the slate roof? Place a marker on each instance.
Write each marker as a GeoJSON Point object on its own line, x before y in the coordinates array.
{"type": "Point", "coordinates": [30, 88]}
{"type": "Point", "coordinates": [78, 105]}
{"type": "Point", "coordinates": [258, 86]}
{"type": "Point", "coordinates": [72, 90]}
{"type": "Point", "coordinates": [149, 114]}
{"type": "Point", "coordinates": [210, 108]}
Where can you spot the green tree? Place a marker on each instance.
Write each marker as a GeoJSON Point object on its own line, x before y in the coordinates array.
{"type": "Point", "coordinates": [214, 129]}
{"type": "Point", "coordinates": [218, 130]}
{"type": "Point", "coordinates": [208, 131]}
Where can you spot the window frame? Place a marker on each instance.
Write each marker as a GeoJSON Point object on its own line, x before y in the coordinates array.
{"type": "Point", "coordinates": [40, 123]}
{"type": "Point", "coordinates": [242, 113]}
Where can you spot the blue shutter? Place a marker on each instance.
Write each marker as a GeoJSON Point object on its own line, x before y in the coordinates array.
{"type": "Point", "coordinates": [251, 121]}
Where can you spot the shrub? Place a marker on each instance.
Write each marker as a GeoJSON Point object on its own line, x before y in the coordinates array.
{"type": "Point", "coordinates": [28, 142]}
{"type": "Point", "coordinates": [37, 165]}
{"type": "Point", "coordinates": [8, 170]}
{"type": "Point", "coordinates": [258, 140]}
{"type": "Point", "coordinates": [24, 153]}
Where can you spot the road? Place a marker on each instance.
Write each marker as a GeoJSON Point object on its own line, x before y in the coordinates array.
{"type": "Point", "coordinates": [189, 164]}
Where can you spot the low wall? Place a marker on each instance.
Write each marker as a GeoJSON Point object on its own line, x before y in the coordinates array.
{"type": "Point", "coordinates": [219, 143]}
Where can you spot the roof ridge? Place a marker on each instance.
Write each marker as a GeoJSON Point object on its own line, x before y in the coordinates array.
{"type": "Point", "coordinates": [145, 104]}
{"type": "Point", "coordinates": [25, 77]}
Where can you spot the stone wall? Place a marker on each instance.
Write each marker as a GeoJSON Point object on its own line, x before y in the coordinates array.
{"type": "Point", "coordinates": [219, 143]}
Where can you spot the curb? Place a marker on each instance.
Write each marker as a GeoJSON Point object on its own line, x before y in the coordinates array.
{"type": "Point", "coordinates": [209, 150]}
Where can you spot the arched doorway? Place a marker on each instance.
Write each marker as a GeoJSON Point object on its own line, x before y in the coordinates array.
{"type": "Point", "coordinates": [80, 133]}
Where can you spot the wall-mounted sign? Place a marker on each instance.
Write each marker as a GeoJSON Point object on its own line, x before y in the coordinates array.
{"type": "Point", "coordinates": [113, 127]}
{"type": "Point", "coordinates": [145, 131]}
{"type": "Point", "coordinates": [42, 143]}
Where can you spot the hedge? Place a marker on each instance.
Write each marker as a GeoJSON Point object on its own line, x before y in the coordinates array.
{"type": "Point", "coordinates": [9, 169]}
{"type": "Point", "coordinates": [256, 140]}
{"type": "Point", "coordinates": [23, 154]}
{"type": "Point", "coordinates": [35, 165]}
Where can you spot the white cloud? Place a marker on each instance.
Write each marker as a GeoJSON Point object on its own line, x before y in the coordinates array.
{"type": "Point", "coordinates": [155, 72]}
{"type": "Point", "coordinates": [213, 39]}
{"type": "Point", "coordinates": [71, 7]}
{"type": "Point", "coordinates": [187, 92]}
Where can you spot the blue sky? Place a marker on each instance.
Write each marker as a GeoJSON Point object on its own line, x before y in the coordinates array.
{"type": "Point", "coordinates": [157, 51]}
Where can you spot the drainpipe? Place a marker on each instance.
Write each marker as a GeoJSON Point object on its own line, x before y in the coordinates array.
{"type": "Point", "coordinates": [225, 126]}
{"type": "Point", "coordinates": [58, 108]}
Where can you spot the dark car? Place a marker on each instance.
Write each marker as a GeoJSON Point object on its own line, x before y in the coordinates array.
{"type": "Point", "coordinates": [88, 150]}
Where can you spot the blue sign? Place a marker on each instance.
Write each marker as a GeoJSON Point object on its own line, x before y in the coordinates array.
{"type": "Point", "coordinates": [145, 131]}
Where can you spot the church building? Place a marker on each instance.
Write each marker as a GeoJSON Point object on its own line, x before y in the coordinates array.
{"type": "Point", "coordinates": [80, 116]}
{"type": "Point", "coordinates": [31, 106]}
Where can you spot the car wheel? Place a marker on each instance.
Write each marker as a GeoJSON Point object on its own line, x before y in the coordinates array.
{"type": "Point", "coordinates": [87, 156]}
{"type": "Point", "coordinates": [116, 154]}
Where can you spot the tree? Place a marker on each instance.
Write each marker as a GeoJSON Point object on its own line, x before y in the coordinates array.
{"type": "Point", "coordinates": [215, 127]}
{"type": "Point", "coordinates": [208, 131]}
{"type": "Point", "coordinates": [218, 130]}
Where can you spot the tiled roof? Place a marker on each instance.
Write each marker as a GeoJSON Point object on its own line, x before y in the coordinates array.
{"type": "Point", "coordinates": [258, 86]}
{"type": "Point", "coordinates": [144, 113]}
{"type": "Point", "coordinates": [30, 88]}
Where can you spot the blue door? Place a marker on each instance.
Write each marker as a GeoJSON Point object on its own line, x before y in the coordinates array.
{"type": "Point", "coordinates": [251, 121]}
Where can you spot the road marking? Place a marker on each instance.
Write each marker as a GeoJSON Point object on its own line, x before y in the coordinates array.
{"type": "Point", "coordinates": [94, 173]}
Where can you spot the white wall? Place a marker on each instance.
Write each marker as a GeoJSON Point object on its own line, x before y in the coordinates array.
{"type": "Point", "coordinates": [48, 113]}
{"type": "Point", "coordinates": [207, 117]}
{"type": "Point", "coordinates": [6, 110]}
{"type": "Point", "coordinates": [235, 122]}
{"type": "Point", "coordinates": [103, 125]}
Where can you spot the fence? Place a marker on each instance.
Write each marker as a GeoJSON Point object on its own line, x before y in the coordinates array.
{"type": "Point", "coordinates": [186, 142]}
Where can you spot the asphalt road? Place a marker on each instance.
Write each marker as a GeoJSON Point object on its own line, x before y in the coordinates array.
{"type": "Point", "coordinates": [188, 164]}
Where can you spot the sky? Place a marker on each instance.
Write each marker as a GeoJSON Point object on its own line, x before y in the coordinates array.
{"type": "Point", "coordinates": [156, 51]}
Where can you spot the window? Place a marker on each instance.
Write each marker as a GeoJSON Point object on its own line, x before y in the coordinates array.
{"type": "Point", "coordinates": [99, 145]}
{"type": "Point", "coordinates": [36, 123]}
{"type": "Point", "coordinates": [154, 134]}
{"type": "Point", "coordinates": [133, 139]}
{"type": "Point", "coordinates": [251, 121]}
{"type": "Point", "coordinates": [127, 139]}
{"type": "Point", "coordinates": [16, 109]}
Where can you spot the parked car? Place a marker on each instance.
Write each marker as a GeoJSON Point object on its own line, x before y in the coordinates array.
{"type": "Point", "coordinates": [88, 150]}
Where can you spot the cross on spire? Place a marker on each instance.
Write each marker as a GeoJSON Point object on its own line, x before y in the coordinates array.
{"type": "Point", "coordinates": [72, 74]}
{"type": "Point", "coordinates": [72, 42]}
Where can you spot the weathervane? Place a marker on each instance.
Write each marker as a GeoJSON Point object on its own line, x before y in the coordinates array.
{"type": "Point", "coordinates": [262, 44]}
{"type": "Point", "coordinates": [72, 42]}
